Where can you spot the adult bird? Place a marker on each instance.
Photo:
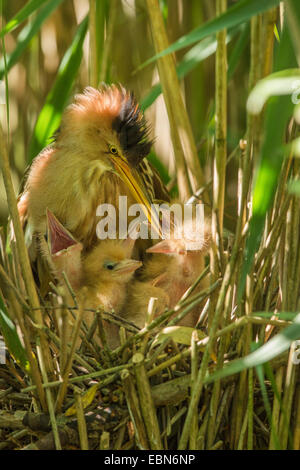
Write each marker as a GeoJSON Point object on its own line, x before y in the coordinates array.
{"type": "Point", "coordinates": [98, 155]}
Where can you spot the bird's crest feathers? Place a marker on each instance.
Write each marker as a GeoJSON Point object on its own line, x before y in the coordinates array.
{"type": "Point", "coordinates": [118, 109]}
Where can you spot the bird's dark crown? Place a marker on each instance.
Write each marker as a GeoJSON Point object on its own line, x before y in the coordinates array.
{"type": "Point", "coordinates": [132, 129]}
{"type": "Point", "coordinates": [117, 108]}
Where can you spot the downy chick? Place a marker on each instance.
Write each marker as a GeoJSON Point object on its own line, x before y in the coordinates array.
{"type": "Point", "coordinates": [139, 294]}
{"type": "Point", "coordinates": [100, 277]}
{"type": "Point", "coordinates": [179, 262]}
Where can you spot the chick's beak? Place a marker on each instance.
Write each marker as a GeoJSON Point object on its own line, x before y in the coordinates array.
{"type": "Point", "coordinates": [132, 180]}
{"type": "Point", "coordinates": [60, 240]}
{"type": "Point", "coordinates": [162, 247]}
{"type": "Point", "coordinates": [127, 266]}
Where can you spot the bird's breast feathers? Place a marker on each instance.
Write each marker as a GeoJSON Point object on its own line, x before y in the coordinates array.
{"type": "Point", "coordinates": [68, 185]}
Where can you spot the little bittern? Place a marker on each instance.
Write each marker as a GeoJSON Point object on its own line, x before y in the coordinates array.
{"type": "Point", "coordinates": [179, 265]}
{"type": "Point", "coordinates": [106, 272]}
{"type": "Point", "coordinates": [136, 306]}
{"type": "Point", "coordinates": [99, 278]}
{"type": "Point", "coordinates": [98, 154]}
{"type": "Point", "coordinates": [65, 253]}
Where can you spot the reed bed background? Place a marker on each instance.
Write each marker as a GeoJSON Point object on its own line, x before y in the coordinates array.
{"type": "Point", "coordinates": [223, 105]}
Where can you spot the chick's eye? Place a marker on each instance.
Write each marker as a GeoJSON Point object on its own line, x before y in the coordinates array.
{"type": "Point", "coordinates": [113, 150]}
{"type": "Point", "coordinates": [109, 265]}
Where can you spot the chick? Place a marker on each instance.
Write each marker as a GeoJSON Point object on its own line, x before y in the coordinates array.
{"type": "Point", "coordinates": [100, 277]}
{"type": "Point", "coordinates": [177, 263]}
{"type": "Point", "coordinates": [137, 304]}
{"type": "Point", "coordinates": [106, 272]}
{"type": "Point", "coordinates": [65, 252]}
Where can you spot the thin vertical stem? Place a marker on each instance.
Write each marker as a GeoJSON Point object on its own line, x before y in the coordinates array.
{"type": "Point", "coordinates": [25, 264]}
{"type": "Point", "coordinates": [113, 10]}
{"type": "Point", "coordinates": [276, 408]}
{"type": "Point", "coordinates": [270, 19]}
{"type": "Point", "coordinates": [219, 174]}
{"type": "Point", "coordinates": [84, 443]}
{"type": "Point", "coordinates": [146, 403]}
{"type": "Point", "coordinates": [250, 410]}
{"type": "Point", "coordinates": [221, 124]}
{"type": "Point", "coordinates": [182, 136]}
{"type": "Point", "coordinates": [94, 65]}
{"type": "Point", "coordinates": [194, 370]}
{"type": "Point", "coordinates": [134, 410]}
{"type": "Point", "coordinates": [63, 389]}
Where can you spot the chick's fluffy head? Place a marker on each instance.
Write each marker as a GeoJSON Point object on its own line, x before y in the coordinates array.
{"type": "Point", "coordinates": [100, 264]}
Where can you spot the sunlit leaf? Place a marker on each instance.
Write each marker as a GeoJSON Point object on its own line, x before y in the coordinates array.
{"type": "Point", "coordinates": [276, 33]}
{"type": "Point", "coordinates": [27, 33]}
{"type": "Point", "coordinates": [239, 13]}
{"type": "Point", "coordinates": [271, 378]}
{"type": "Point", "coordinates": [22, 15]}
{"type": "Point", "coordinates": [261, 378]}
{"type": "Point", "coordinates": [278, 112]}
{"type": "Point", "coordinates": [50, 115]}
{"type": "Point", "coordinates": [87, 399]}
{"type": "Point", "coordinates": [179, 334]}
{"type": "Point", "coordinates": [285, 82]}
{"type": "Point", "coordinates": [273, 348]}
{"type": "Point", "coordinates": [11, 338]}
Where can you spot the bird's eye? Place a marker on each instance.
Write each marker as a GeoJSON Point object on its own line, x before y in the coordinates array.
{"type": "Point", "coordinates": [113, 150]}
{"type": "Point", "coordinates": [109, 265]}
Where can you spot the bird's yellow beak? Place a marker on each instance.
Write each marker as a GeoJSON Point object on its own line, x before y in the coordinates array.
{"type": "Point", "coordinates": [127, 266]}
{"type": "Point", "coordinates": [131, 179]}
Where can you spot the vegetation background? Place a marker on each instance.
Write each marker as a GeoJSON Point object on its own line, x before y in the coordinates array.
{"type": "Point", "coordinates": [223, 107]}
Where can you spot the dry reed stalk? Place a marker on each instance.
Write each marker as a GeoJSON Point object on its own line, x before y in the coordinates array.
{"type": "Point", "coordinates": [296, 430]}
{"type": "Point", "coordinates": [219, 170]}
{"type": "Point", "coordinates": [185, 151]}
{"type": "Point", "coordinates": [287, 401]}
{"type": "Point", "coordinates": [270, 19]}
{"type": "Point", "coordinates": [252, 137]}
{"type": "Point", "coordinates": [25, 265]}
{"type": "Point", "coordinates": [217, 259]}
{"type": "Point", "coordinates": [194, 370]}
{"type": "Point", "coordinates": [94, 62]}
{"type": "Point", "coordinates": [134, 410]}
{"type": "Point", "coordinates": [104, 441]}
{"type": "Point", "coordinates": [276, 407]}
{"type": "Point", "coordinates": [112, 16]}
{"type": "Point", "coordinates": [146, 403]}
{"type": "Point", "coordinates": [84, 443]}
{"type": "Point", "coordinates": [64, 333]}
{"type": "Point", "coordinates": [65, 373]}
{"type": "Point", "coordinates": [250, 408]}
{"type": "Point", "coordinates": [57, 343]}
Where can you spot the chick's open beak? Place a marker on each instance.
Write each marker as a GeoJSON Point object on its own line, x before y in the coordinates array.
{"type": "Point", "coordinates": [60, 239]}
{"type": "Point", "coordinates": [131, 179]}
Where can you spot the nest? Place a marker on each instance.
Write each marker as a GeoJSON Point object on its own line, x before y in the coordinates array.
{"type": "Point", "coordinates": [73, 394]}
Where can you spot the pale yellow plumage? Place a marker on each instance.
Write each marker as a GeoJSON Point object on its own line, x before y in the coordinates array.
{"type": "Point", "coordinates": [96, 157]}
